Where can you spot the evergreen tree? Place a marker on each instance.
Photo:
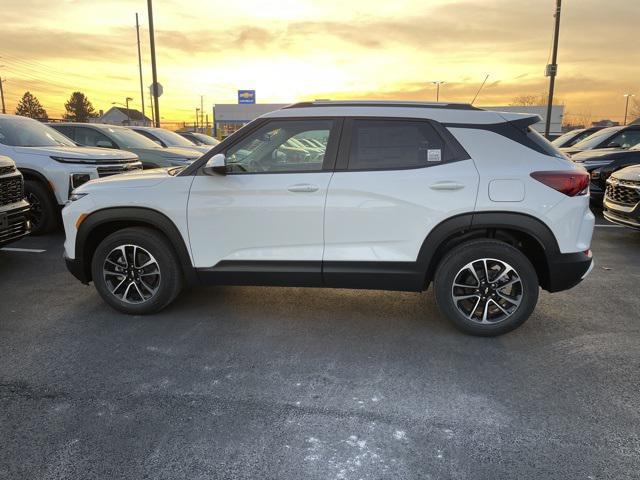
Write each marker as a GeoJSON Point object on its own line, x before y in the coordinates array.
{"type": "Point", "coordinates": [79, 108]}
{"type": "Point", "coordinates": [30, 106]}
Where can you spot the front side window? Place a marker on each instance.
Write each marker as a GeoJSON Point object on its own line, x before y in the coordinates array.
{"type": "Point", "coordinates": [92, 138]}
{"type": "Point", "coordinates": [394, 144]}
{"type": "Point", "coordinates": [280, 146]}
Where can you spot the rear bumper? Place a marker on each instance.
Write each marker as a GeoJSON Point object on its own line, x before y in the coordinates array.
{"type": "Point", "coordinates": [568, 269]}
{"type": "Point", "coordinates": [76, 267]}
{"type": "Point", "coordinates": [14, 222]}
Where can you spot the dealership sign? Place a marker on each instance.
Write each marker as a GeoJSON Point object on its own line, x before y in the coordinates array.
{"type": "Point", "coordinates": [246, 96]}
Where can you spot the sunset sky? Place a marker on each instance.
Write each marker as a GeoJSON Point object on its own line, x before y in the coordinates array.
{"type": "Point", "coordinates": [306, 49]}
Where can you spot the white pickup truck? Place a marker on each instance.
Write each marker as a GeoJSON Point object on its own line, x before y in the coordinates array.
{"type": "Point", "coordinates": [53, 165]}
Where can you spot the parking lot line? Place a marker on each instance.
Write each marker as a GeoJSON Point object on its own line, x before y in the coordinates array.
{"type": "Point", "coordinates": [27, 250]}
{"type": "Point", "coordinates": [610, 226]}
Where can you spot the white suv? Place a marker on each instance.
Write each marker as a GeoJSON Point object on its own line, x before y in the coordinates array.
{"type": "Point", "coordinates": [53, 165]}
{"type": "Point", "coordinates": [392, 196]}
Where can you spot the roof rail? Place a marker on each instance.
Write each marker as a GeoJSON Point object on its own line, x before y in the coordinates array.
{"type": "Point", "coordinates": [382, 103]}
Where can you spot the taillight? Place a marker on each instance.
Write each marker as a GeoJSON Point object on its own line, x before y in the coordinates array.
{"type": "Point", "coordinates": [570, 182]}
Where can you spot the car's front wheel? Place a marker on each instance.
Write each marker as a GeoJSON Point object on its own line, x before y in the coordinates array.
{"type": "Point", "coordinates": [486, 287]}
{"type": "Point", "coordinates": [136, 271]}
{"type": "Point", "coordinates": [44, 210]}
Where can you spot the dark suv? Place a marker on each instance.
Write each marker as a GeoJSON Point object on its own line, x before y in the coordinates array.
{"type": "Point", "coordinates": [14, 209]}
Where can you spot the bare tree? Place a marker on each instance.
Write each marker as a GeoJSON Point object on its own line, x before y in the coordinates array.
{"type": "Point", "coordinates": [538, 100]}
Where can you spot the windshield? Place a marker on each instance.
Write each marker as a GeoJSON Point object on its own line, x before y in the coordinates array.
{"type": "Point", "coordinates": [206, 139]}
{"type": "Point", "coordinates": [126, 138]}
{"type": "Point", "coordinates": [26, 132]}
{"type": "Point", "coordinates": [566, 137]}
{"type": "Point", "coordinates": [597, 138]}
{"type": "Point", "coordinates": [171, 139]}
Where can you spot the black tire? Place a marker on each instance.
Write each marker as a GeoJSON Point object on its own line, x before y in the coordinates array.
{"type": "Point", "coordinates": [525, 291]}
{"type": "Point", "coordinates": [45, 214]}
{"type": "Point", "coordinates": [169, 282]}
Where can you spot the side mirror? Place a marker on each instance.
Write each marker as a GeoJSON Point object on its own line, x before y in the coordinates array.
{"type": "Point", "coordinates": [216, 165]}
{"type": "Point", "coordinates": [104, 144]}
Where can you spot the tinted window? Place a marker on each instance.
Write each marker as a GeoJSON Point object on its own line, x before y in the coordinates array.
{"type": "Point", "coordinates": [150, 137]}
{"type": "Point", "coordinates": [90, 137]}
{"type": "Point", "coordinates": [390, 144]}
{"type": "Point", "coordinates": [543, 144]}
{"type": "Point", "coordinates": [279, 146]}
{"type": "Point", "coordinates": [66, 130]}
{"type": "Point", "coordinates": [625, 139]}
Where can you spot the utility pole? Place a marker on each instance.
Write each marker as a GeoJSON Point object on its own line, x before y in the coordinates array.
{"type": "Point", "coordinates": [201, 113]}
{"type": "Point", "coordinates": [195, 127]}
{"type": "Point", "coordinates": [154, 71]}
{"type": "Point", "coordinates": [626, 105]}
{"type": "Point", "coordinates": [437, 83]}
{"type": "Point", "coordinates": [140, 64]}
{"type": "Point", "coordinates": [4, 110]}
{"type": "Point", "coordinates": [151, 103]}
{"type": "Point", "coordinates": [552, 68]}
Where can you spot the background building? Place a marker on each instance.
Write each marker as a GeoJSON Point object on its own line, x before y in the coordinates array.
{"type": "Point", "coordinates": [123, 116]}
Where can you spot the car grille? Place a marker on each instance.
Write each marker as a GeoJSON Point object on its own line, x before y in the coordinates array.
{"type": "Point", "coordinates": [7, 170]}
{"type": "Point", "coordinates": [116, 169]}
{"type": "Point", "coordinates": [16, 225]}
{"type": "Point", "coordinates": [623, 194]}
{"type": "Point", "coordinates": [11, 190]}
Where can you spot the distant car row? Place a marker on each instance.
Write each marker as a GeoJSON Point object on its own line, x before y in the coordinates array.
{"type": "Point", "coordinates": [54, 159]}
{"type": "Point", "coordinates": [602, 151]}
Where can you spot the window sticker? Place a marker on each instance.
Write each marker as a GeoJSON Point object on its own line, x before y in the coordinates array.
{"type": "Point", "coordinates": [434, 155]}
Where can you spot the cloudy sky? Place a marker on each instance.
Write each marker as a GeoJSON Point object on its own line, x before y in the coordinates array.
{"type": "Point", "coordinates": [292, 50]}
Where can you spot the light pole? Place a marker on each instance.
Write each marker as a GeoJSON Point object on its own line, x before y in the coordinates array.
{"type": "Point", "coordinates": [126, 105]}
{"type": "Point", "coordinates": [437, 83]}
{"type": "Point", "coordinates": [2, 93]}
{"type": "Point", "coordinates": [626, 105]}
{"type": "Point", "coordinates": [552, 68]}
{"type": "Point", "coordinates": [197, 113]}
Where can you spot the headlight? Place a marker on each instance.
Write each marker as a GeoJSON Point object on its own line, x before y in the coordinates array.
{"type": "Point", "coordinates": [76, 196]}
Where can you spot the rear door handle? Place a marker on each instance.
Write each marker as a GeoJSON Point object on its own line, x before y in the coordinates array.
{"type": "Point", "coordinates": [446, 185]}
{"type": "Point", "coordinates": [303, 188]}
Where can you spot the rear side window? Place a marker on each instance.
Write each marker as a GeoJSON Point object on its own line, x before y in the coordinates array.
{"type": "Point", "coordinates": [544, 145]}
{"type": "Point", "coordinates": [394, 144]}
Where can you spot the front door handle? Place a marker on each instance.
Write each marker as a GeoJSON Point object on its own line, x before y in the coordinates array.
{"type": "Point", "coordinates": [446, 185]}
{"type": "Point", "coordinates": [303, 188]}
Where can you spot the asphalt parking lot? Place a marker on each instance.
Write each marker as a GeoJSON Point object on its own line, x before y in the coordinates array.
{"type": "Point", "coordinates": [245, 382]}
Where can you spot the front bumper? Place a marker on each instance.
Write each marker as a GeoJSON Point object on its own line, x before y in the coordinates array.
{"type": "Point", "coordinates": [566, 270]}
{"type": "Point", "coordinates": [15, 222]}
{"type": "Point", "coordinates": [622, 215]}
{"type": "Point", "coordinates": [77, 269]}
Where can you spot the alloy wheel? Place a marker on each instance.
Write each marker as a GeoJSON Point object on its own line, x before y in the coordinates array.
{"type": "Point", "coordinates": [36, 209]}
{"type": "Point", "coordinates": [131, 274]}
{"type": "Point", "coordinates": [487, 291]}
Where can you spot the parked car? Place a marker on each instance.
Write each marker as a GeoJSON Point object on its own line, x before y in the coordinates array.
{"type": "Point", "coordinates": [622, 198]}
{"type": "Point", "coordinates": [610, 137]}
{"type": "Point", "coordinates": [200, 138]}
{"type": "Point", "coordinates": [601, 163]}
{"type": "Point", "coordinates": [150, 153]}
{"type": "Point", "coordinates": [53, 165]}
{"type": "Point", "coordinates": [569, 139]}
{"type": "Point", "coordinates": [406, 194]}
{"type": "Point", "coordinates": [14, 209]}
{"type": "Point", "coordinates": [166, 138]}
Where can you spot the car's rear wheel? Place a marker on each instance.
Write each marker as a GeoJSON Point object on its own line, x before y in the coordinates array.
{"type": "Point", "coordinates": [136, 271]}
{"type": "Point", "coordinates": [486, 287]}
{"type": "Point", "coordinates": [44, 212]}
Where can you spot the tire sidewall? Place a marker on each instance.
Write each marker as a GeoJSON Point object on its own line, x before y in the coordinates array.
{"type": "Point", "coordinates": [465, 253]}
{"type": "Point", "coordinates": [48, 206]}
{"type": "Point", "coordinates": [156, 245]}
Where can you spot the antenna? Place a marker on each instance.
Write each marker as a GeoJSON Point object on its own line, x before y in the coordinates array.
{"type": "Point", "coordinates": [481, 86]}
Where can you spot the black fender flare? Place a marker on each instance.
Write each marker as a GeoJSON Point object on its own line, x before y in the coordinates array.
{"type": "Point", "coordinates": [468, 222]}
{"type": "Point", "coordinates": [134, 215]}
